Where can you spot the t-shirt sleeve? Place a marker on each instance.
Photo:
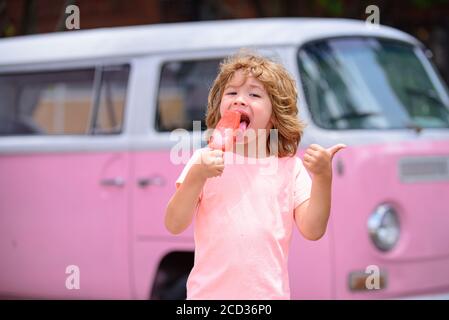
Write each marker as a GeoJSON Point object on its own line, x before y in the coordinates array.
{"type": "Point", "coordinates": [302, 186]}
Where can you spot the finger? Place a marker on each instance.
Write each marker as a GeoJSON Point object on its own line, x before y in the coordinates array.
{"type": "Point", "coordinates": [308, 157]}
{"type": "Point", "coordinates": [205, 159]}
{"type": "Point", "coordinates": [220, 170]}
{"type": "Point", "coordinates": [307, 163]}
{"type": "Point", "coordinates": [334, 149]}
{"type": "Point", "coordinates": [315, 147]}
{"type": "Point", "coordinates": [313, 153]}
{"type": "Point", "coordinates": [218, 161]}
{"type": "Point", "coordinates": [217, 153]}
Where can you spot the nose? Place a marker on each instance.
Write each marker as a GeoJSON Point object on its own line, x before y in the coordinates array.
{"type": "Point", "coordinates": [239, 101]}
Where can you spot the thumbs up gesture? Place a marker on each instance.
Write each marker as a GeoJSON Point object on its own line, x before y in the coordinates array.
{"type": "Point", "coordinates": [318, 160]}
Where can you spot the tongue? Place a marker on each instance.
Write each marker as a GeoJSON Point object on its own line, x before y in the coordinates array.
{"type": "Point", "coordinates": [243, 126]}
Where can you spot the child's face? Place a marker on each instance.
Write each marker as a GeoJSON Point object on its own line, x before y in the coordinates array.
{"type": "Point", "coordinates": [248, 95]}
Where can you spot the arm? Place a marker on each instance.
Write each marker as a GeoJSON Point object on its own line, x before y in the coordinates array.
{"type": "Point", "coordinates": [312, 215]}
{"type": "Point", "coordinates": [181, 207]}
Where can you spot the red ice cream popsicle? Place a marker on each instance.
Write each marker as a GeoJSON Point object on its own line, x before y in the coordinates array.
{"type": "Point", "coordinates": [224, 134]}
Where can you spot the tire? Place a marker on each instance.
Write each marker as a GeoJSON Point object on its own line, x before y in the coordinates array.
{"type": "Point", "coordinates": [177, 290]}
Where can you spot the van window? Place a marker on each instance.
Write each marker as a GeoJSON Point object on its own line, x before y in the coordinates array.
{"type": "Point", "coordinates": [112, 100]}
{"type": "Point", "coordinates": [368, 83]}
{"type": "Point", "coordinates": [62, 102]}
{"type": "Point", "coordinates": [183, 91]}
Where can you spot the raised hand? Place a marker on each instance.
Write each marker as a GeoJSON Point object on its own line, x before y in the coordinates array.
{"type": "Point", "coordinates": [318, 160]}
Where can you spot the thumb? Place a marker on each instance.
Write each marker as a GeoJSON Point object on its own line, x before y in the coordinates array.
{"type": "Point", "coordinates": [334, 149]}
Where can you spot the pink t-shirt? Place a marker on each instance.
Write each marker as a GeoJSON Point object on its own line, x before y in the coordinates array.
{"type": "Point", "coordinates": [243, 225]}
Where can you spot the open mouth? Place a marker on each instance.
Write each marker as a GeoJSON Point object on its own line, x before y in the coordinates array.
{"type": "Point", "coordinates": [244, 122]}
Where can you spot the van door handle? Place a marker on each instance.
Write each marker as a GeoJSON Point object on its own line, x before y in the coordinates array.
{"type": "Point", "coordinates": [117, 182]}
{"type": "Point", "coordinates": [155, 180]}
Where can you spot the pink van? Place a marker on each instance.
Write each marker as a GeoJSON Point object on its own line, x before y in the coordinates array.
{"type": "Point", "coordinates": [86, 135]}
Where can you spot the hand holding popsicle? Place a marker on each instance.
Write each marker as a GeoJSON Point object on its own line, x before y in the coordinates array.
{"type": "Point", "coordinates": [211, 164]}
{"type": "Point", "coordinates": [222, 139]}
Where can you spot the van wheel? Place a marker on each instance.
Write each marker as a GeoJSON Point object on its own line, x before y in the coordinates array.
{"type": "Point", "coordinates": [171, 277]}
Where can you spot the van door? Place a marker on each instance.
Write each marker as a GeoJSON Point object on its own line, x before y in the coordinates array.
{"type": "Point", "coordinates": [172, 94]}
{"type": "Point", "coordinates": [63, 187]}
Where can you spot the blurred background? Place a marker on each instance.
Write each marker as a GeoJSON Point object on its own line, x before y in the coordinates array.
{"type": "Point", "coordinates": [428, 20]}
{"type": "Point", "coordinates": [75, 204]}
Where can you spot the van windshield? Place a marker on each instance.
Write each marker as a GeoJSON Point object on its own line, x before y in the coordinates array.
{"type": "Point", "coordinates": [367, 83]}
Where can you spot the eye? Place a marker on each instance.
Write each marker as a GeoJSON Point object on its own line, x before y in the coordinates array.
{"type": "Point", "coordinates": [254, 95]}
{"type": "Point", "coordinates": [231, 93]}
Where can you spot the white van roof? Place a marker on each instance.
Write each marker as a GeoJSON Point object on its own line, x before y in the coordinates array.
{"type": "Point", "coordinates": [136, 40]}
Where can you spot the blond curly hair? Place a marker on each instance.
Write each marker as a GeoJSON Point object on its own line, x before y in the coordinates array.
{"type": "Point", "coordinates": [281, 90]}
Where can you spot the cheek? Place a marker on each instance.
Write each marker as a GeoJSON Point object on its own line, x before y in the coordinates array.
{"type": "Point", "coordinates": [222, 106]}
{"type": "Point", "coordinates": [265, 112]}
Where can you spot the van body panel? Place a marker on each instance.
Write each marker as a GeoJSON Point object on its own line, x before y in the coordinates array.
{"type": "Point", "coordinates": [154, 176]}
{"type": "Point", "coordinates": [57, 213]}
{"type": "Point", "coordinates": [421, 256]}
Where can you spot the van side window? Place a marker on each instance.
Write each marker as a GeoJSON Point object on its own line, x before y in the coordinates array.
{"type": "Point", "coordinates": [183, 91]}
{"type": "Point", "coordinates": [62, 102]}
{"type": "Point", "coordinates": [111, 108]}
